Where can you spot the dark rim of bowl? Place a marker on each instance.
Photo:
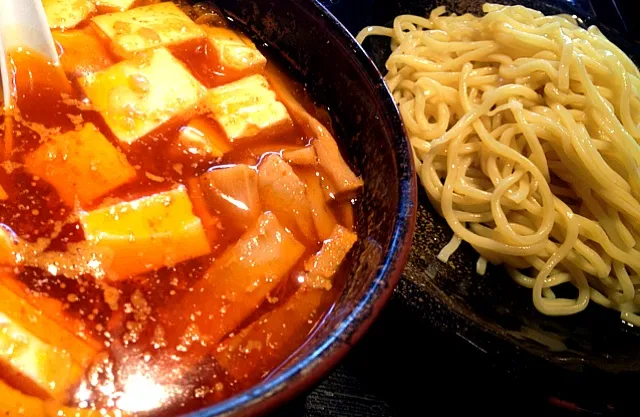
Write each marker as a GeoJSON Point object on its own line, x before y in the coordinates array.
{"type": "Point", "coordinates": [302, 375]}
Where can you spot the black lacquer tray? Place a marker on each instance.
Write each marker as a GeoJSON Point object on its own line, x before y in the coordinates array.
{"type": "Point", "coordinates": [480, 338]}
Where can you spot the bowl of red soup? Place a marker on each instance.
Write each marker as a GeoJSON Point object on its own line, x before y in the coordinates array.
{"type": "Point", "coordinates": [201, 208]}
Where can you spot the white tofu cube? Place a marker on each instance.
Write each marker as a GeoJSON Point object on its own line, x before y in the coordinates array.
{"type": "Point", "coordinates": [81, 165]}
{"type": "Point", "coordinates": [248, 109]}
{"type": "Point", "coordinates": [139, 95]}
{"type": "Point", "coordinates": [234, 56]}
{"type": "Point", "coordinates": [45, 370]}
{"type": "Point", "coordinates": [142, 28]}
{"type": "Point", "coordinates": [109, 6]}
{"type": "Point", "coordinates": [66, 14]}
{"type": "Point", "coordinates": [146, 234]}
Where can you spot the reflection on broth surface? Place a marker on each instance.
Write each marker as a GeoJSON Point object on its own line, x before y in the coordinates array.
{"type": "Point", "coordinates": [174, 216]}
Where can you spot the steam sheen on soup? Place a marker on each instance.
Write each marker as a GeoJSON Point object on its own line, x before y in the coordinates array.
{"type": "Point", "coordinates": [174, 214]}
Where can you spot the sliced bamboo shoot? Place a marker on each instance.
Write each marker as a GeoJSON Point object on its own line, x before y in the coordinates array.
{"type": "Point", "coordinates": [325, 145]}
{"type": "Point", "coordinates": [269, 340]}
{"type": "Point", "coordinates": [237, 282]}
{"type": "Point", "coordinates": [232, 192]}
{"type": "Point", "coordinates": [323, 218]}
{"type": "Point", "coordinates": [282, 192]}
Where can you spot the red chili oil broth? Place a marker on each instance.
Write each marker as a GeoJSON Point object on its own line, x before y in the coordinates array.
{"type": "Point", "coordinates": [47, 104]}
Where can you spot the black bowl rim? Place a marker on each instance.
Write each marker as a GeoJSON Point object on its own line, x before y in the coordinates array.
{"type": "Point", "coordinates": [302, 375]}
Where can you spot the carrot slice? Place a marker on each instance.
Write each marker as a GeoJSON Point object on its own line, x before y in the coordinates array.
{"type": "Point", "coordinates": [236, 283]}
{"type": "Point", "coordinates": [282, 192]}
{"type": "Point", "coordinates": [268, 341]}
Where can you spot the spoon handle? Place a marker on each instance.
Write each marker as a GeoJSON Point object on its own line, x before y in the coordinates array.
{"type": "Point", "coordinates": [23, 23]}
{"type": "Point", "coordinates": [4, 77]}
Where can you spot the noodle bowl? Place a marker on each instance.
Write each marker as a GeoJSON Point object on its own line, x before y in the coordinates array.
{"type": "Point", "coordinates": [525, 132]}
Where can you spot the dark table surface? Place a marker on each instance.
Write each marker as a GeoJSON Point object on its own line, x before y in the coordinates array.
{"type": "Point", "coordinates": [404, 366]}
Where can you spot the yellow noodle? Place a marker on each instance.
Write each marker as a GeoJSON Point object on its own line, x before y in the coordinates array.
{"type": "Point", "coordinates": [526, 136]}
{"type": "Point", "coordinates": [481, 265]}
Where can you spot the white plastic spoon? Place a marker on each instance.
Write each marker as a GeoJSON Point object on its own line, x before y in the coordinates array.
{"type": "Point", "coordinates": [23, 23]}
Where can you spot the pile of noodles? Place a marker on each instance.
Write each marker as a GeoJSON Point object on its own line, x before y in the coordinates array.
{"type": "Point", "coordinates": [525, 132]}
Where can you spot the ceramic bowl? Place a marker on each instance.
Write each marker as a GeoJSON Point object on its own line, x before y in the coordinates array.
{"type": "Point", "coordinates": [322, 55]}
